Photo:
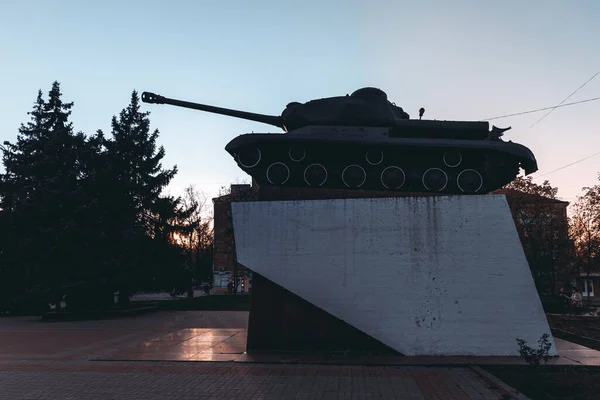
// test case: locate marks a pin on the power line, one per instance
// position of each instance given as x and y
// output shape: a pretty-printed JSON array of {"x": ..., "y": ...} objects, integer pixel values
[
  {"x": 568, "y": 165},
  {"x": 543, "y": 109},
  {"x": 566, "y": 98},
  {"x": 550, "y": 111}
]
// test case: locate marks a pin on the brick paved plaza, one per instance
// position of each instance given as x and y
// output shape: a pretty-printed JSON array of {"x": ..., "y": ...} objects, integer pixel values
[{"x": 61, "y": 360}]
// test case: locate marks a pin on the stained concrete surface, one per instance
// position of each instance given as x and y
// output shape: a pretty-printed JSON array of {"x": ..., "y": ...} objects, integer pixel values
[{"x": 425, "y": 276}]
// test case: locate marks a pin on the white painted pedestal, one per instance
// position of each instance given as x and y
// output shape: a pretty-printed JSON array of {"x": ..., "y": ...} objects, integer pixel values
[{"x": 424, "y": 275}]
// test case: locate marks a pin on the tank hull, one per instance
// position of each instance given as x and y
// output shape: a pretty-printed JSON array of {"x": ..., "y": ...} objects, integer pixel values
[{"x": 374, "y": 159}]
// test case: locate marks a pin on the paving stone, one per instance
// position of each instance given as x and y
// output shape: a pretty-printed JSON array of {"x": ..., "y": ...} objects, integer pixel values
[{"x": 55, "y": 361}]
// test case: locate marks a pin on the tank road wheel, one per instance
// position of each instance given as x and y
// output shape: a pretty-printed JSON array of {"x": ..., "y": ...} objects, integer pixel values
[
  {"x": 249, "y": 158},
  {"x": 469, "y": 181},
  {"x": 435, "y": 179},
  {"x": 452, "y": 159},
  {"x": 278, "y": 173},
  {"x": 315, "y": 175},
  {"x": 392, "y": 177},
  {"x": 374, "y": 157},
  {"x": 354, "y": 176},
  {"x": 297, "y": 154}
]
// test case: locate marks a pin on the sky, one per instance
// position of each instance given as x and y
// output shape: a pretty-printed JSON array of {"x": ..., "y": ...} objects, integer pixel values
[{"x": 461, "y": 60}]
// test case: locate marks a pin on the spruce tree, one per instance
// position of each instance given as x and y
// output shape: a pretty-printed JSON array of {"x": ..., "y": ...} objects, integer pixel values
[
  {"x": 45, "y": 172},
  {"x": 136, "y": 182}
]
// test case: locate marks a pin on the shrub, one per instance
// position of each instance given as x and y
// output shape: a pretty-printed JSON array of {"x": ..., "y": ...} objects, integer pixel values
[{"x": 533, "y": 356}]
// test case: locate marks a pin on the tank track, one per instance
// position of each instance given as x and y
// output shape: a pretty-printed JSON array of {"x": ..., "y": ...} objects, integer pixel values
[{"x": 447, "y": 170}]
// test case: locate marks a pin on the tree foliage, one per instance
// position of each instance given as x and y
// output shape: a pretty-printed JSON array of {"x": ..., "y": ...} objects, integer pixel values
[
  {"x": 526, "y": 185},
  {"x": 43, "y": 185},
  {"x": 585, "y": 230},
  {"x": 197, "y": 238},
  {"x": 542, "y": 223},
  {"x": 88, "y": 211}
]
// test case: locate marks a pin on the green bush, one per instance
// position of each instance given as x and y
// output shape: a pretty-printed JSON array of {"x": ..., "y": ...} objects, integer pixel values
[{"x": 533, "y": 356}]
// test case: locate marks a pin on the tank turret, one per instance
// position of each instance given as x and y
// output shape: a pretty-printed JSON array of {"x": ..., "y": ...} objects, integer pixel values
[
  {"x": 364, "y": 107},
  {"x": 364, "y": 141}
]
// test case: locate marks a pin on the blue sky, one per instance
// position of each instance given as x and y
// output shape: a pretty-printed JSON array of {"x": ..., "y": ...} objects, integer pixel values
[{"x": 465, "y": 60}]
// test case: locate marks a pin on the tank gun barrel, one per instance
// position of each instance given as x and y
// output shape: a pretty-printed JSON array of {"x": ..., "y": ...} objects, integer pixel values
[{"x": 148, "y": 97}]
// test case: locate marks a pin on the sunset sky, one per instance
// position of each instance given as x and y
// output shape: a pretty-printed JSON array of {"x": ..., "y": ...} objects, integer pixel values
[{"x": 464, "y": 60}]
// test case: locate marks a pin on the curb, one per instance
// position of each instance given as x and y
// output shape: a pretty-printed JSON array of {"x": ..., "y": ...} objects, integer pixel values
[{"x": 490, "y": 379}]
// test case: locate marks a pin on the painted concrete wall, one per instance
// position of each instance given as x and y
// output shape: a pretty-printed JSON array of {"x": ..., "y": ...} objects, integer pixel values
[{"x": 426, "y": 276}]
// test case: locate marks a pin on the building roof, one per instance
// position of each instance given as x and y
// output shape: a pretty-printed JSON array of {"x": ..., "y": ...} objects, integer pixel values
[
  {"x": 236, "y": 192},
  {"x": 529, "y": 197}
]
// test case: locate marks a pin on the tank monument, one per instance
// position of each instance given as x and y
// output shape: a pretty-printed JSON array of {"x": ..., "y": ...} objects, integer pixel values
[{"x": 376, "y": 233}]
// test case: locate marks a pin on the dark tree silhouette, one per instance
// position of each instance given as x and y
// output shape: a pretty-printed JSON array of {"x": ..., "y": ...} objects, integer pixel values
[
  {"x": 83, "y": 216},
  {"x": 197, "y": 234},
  {"x": 542, "y": 223},
  {"x": 134, "y": 181},
  {"x": 585, "y": 231},
  {"x": 44, "y": 166}
]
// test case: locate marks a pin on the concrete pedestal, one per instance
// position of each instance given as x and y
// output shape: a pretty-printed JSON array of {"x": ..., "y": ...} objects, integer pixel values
[
  {"x": 284, "y": 322},
  {"x": 422, "y": 275}
]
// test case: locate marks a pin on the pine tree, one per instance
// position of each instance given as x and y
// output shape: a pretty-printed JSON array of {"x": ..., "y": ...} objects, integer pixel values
[
  {"x": 169, "y": 258},
  {"x": 85, "y": 208},
  {"x": 136, "y": 182},
  {"x": 45, "y": 167}
]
